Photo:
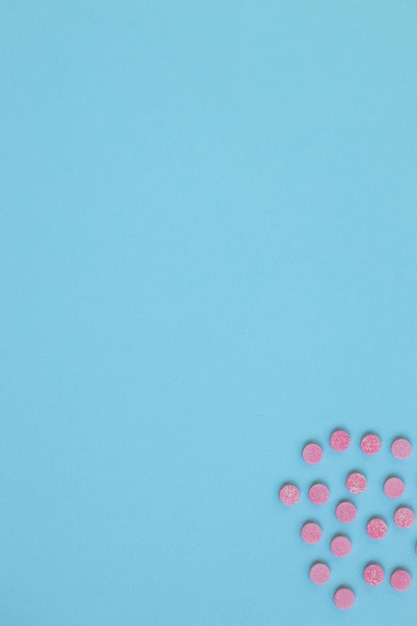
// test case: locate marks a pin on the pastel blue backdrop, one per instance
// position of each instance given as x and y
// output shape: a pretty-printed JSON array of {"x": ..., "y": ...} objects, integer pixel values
[{"x": 208, "y": 255}]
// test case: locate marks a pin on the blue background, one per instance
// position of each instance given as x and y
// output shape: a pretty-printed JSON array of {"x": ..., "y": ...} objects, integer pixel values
[{"x": 208, "y": 255}]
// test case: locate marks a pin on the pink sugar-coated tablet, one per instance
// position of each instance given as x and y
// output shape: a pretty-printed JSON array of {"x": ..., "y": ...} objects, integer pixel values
[
  {"x": 401, "y": 448},
  {"x": 376, "y": 528},
  {"x": 340, "y": 546},
  {"x": 356, "y": 482},
  {"x": 311, "y": 532},
  {"x": 370, "y": 444},
  {"x": 340, "y": 440},
  {"x": 289, "y": 494},
  {"x": 319, "y": 573},
  {"x": 400, "y": 580},
  {"x": 312, "y": 453},
  {"x": 318, "y": 493},
  {"x": 394, "y": 487},
  {"x": 404, "y": 517},
  {"x": 344, "y": 598},
  {"x": 345, "y": 512},
  {"x": 373, "y": 574}
]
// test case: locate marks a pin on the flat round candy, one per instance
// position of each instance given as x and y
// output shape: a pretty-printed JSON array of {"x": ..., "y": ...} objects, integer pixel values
[
  {"x": 370, "y": 444},
  {"x": 311, "y": 532},
  {"x": 345, "y": 512},
  {"x": 319, "y": 573},
  {"x": 373, "y": 574},
  {"x": 340, "y": 546},
  {"x": 376, "y": 528},
  {"x": 340, "y": 440},
  {"x": 401, "y": 448},
  {"x": 289, "y": 494},
  {"x": 356, "y": 482},
  {"x": 400, "y": 580},
  {"x": 394, "y": 487},
  {"x": 312, "y": 453},
  {"x": 404, "y": 517},
  {"x": 318, "y": 493},
  {"x": 344, "y": 598}
]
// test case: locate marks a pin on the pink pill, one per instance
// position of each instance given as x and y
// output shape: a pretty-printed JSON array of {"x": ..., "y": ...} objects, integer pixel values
[
  {"x": 370, "y": 444},
  {"x": 345, "y": 512},
  {"x": 340, "y": 440},
  {"x": 340, "y": 546},
  {"x": 356, "y": 482},
  {"x": 400, "y": 580},
  {"x": 311, "y": 532},
  {"x": 344, "y": 598},
  {"x": 312, "y": 453},
  {"x": 401, "y": 448},
  {"x": 318, "y": 493},
  {"x": 404, "y": 517},
  {"x": 373, "y": 574},
  {"x": 319, "y": 573},
  {"x": 394, "y": 487},
  {"x": 376, "y": 528},
  {"x": 289, "y": 494}
]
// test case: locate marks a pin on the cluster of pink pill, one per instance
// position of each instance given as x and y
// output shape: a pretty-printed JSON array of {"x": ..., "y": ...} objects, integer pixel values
[{"x": 345, "y": 511}]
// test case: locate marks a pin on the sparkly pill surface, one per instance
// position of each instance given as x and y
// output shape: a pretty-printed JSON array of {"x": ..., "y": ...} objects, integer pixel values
[
  {"x": 289, "y": 494},
  {"x": 344, "y": 598},
  {"x": 401, "y": 448},
  {"x": 311, "y": 532},
  {"x": 319, "y": 573},
  {"x": 340, "y": 546},
  {"x": 312, "y": 453},
  {"x": 376, "y": 528},
  {"x": 318, "y": 493},
  {"x": 356, "y": 482},
  {"x": 370, "y": 444},
  {"x": 373, "y": 574},
  {"x": 400, "y": 580},
  {"x": 394, "y": 487},
  {"x": 404, "y": 517},
  {"x": 345, "y": 512},
  {"x": 340, "y": 440}
]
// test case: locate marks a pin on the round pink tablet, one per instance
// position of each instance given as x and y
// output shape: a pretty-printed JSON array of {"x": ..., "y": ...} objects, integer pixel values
[
  {"x": 400, "y": 580},
  {"x": 340, "y": 546},
  {"x": 370, "y": 444},
  {"x": 311, "y": 532},
  {"x": 319, "y": 573},
  {"x": 404, "y": 517},
  {"x": 312, "y": 453},
  {"x": 394, "y": 487},
  {"x": 340, "y": 440},
  {"x": 318, "y": 493},
  {"x": 345, "y": 512},
  {"x": 373, "y": 574},
  {"x": 401, "y": 448},
  {"x": 376, "y": 528},
  {"x": 344, "y": 598},
  {"x": 289, "y": 494},
  {"x": 356, "y": 482}
]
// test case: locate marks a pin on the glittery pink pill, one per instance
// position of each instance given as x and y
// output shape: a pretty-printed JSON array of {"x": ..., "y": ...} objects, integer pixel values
[
  {"x": 340, "y": 546},
  {"x": 401, "y": 448},
  {"x": 319, "y": 573},
  {"x": 356, "y": 482},
  {"x": 394, "y": 487},
  {"x": 312, "y": 453},
  {"x": 376, "y": 528},
  {"x": 346, "y": 512},
  {"x": 400, "y": 580},
  {"x": 318, "y": 493},
  {"x": 373, "y": 574},
  {"x": 289, "y": 494},
  {"x": 344, "y": 598},
  {"x": 370, "y": 444},
  {"x": 404, "y": 517},
  {"x": 311, "y": 532},
  {"x": 340, "y": 440}
]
